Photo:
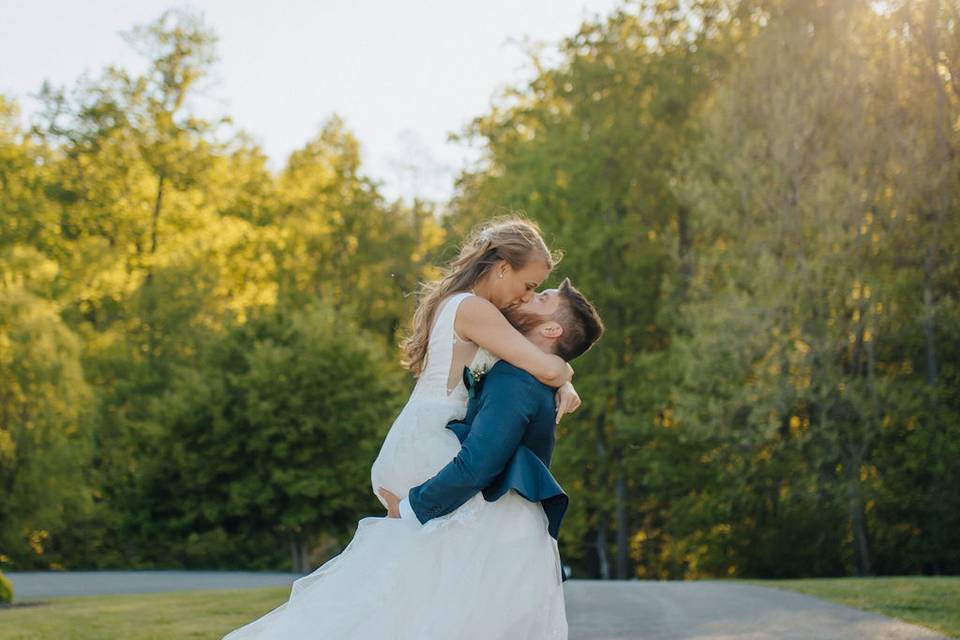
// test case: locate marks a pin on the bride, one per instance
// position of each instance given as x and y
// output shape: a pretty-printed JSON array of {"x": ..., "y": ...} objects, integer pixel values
[{"x": 463, "y": 575}]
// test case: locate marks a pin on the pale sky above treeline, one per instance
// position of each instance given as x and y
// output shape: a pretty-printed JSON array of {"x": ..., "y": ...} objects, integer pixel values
[{"x": 402, "y": 74}]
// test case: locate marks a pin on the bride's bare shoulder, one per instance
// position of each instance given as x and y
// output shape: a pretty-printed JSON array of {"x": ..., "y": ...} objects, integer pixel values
[
  {"x": 476, "y": 316},
  {"x": 474, "y": 308},
  {"x": 474, "y": 302}
]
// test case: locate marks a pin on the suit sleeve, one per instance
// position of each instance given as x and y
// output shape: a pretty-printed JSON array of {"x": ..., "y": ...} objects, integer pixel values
[{"x": 508, "y": 406}]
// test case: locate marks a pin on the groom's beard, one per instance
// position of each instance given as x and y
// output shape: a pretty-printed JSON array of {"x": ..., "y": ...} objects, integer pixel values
[{"x": 522, "y": 321}]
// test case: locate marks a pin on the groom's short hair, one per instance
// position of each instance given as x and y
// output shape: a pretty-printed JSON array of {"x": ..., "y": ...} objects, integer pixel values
[{"x": 581, "y": 322}]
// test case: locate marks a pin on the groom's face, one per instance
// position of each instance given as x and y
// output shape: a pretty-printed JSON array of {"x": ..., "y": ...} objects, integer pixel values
[{"x": 527, "y": 316}]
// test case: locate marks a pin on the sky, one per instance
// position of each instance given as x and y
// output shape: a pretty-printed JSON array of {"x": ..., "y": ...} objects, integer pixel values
[{"x": 402, "y": 75}]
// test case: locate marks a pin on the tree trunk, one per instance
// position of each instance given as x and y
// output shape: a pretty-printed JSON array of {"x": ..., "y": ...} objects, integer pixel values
[
  {"x": 858, "y": 522},
  {"x": 621, "y": 518},
  {"x": 601, "y": 545},
  {"x": 939, "y": 202},
  {"x": 684, "y": 245},
  {"x": 304, "y": 552},
  {"x": 298, "y": 553},
  {"x": 929, "y": 338},
  {"x": 294, "y": 554},
  {"x": 148, "y": 280},
  {"x": 155, "y": 219},
  {"x": 603, "y": 559}
]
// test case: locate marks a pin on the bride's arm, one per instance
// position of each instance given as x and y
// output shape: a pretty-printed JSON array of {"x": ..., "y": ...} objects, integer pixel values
[{"x": 479, "y": 321}]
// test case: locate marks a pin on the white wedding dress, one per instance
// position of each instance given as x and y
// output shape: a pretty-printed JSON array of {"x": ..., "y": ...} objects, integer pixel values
[{"x": 487, "y": 571}]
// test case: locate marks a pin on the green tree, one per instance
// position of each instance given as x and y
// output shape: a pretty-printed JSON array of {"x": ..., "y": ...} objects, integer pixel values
[
  {"x": 273, "y": 437},
  {"x": 801, "y": 242},
  {"x": 44, "y": 423},
  {"x": 591, "y": 150},
  {"x": 341, "y": 243}
]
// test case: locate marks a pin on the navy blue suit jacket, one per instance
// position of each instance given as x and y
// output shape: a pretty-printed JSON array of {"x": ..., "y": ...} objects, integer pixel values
[{"x": 507, "y": 438}]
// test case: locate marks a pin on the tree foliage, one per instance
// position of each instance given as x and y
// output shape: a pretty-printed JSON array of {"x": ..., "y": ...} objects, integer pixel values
[
  {"x": 745, "y": 189},
  {"x": 144, "y": 240},
  {"x": 198, "y": 355}
]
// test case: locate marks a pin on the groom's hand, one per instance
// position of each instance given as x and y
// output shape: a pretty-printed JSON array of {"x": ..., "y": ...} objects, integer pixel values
[{"x": 393, "y": 503}]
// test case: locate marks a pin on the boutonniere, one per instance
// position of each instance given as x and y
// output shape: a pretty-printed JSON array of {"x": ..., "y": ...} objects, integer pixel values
[
  {"x": 479, "y": 371},
  {"x": 472, "y": 379}
]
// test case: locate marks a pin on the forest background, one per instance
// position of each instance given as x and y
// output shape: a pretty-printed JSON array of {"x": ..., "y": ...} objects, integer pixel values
[{"x": 198, "y": 355}]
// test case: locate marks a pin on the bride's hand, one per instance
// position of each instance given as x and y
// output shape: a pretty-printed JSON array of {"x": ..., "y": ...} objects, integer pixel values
[
  {"x": 567, "y": 400},
  {"x": 393, "y": 503}
]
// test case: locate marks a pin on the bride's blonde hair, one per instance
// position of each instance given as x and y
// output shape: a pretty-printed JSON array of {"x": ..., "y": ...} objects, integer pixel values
[{"x": 512, "y": 238}]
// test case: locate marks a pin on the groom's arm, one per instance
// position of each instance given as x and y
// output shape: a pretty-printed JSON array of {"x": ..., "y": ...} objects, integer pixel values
[{"x": 507, "y": 408}]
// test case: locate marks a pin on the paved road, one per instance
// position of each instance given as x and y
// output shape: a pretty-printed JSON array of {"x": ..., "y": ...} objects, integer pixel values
[
  {"x": 41, "y": 585},
  {"x": 614, "y": 610},
  {"x": 718, "y": 610}
]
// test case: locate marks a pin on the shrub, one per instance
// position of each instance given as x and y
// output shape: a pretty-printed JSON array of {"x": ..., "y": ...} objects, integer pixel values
[{"x": 6, "y": 589}]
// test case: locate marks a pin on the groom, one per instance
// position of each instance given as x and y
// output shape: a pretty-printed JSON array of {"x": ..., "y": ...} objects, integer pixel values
[{"x": 507, "y": 434}]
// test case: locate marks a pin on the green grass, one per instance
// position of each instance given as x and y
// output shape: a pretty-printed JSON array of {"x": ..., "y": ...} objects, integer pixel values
[
  {"x": 932, "y": 602},
  {"x": 147, "y": 616}
]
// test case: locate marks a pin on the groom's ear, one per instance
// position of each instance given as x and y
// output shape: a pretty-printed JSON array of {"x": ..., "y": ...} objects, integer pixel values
[{"x": 552, "y": 330}]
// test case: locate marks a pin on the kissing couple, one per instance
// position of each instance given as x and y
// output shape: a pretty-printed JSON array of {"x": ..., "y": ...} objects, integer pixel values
[{"x": 468, "y": 549}]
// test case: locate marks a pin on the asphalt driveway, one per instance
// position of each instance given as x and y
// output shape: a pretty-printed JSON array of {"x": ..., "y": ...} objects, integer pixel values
[{"x": 612, "y": 610}]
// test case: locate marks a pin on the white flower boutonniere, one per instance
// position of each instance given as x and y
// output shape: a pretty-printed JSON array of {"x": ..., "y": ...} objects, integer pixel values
[
  {"x": 472, "y": 378},
  {"x": 479, "y": 371}
]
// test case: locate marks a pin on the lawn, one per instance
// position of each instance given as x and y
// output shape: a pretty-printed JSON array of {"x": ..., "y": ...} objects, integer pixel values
[
  {"x": 933, "y": 602},
  {"x": 141, "y": 616}
]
